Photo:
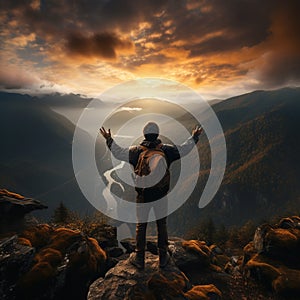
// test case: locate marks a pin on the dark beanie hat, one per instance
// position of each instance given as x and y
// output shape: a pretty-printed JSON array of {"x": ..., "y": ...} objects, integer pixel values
[{"x": 151, "y": 128}]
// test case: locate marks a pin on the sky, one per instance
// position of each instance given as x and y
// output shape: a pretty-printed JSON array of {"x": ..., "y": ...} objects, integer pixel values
[{"x": 219, "y": 48}]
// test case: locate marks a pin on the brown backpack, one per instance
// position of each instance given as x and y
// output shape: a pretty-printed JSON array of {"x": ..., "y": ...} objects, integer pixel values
[{"x": 142, "y": 169}]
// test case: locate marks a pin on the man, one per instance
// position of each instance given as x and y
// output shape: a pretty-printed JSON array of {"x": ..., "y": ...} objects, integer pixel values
[{"x": 151, "y": 193}]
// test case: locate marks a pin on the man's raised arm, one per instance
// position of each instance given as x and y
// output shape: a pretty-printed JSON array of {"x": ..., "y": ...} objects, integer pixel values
[
  {"x": 118, "y": 152},
  {"x": 188, "y": 145}
]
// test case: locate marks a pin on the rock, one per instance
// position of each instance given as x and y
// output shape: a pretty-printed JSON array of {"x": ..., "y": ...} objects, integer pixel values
[
  {"x": 190, "y": 254},
  {"x": 105, "y": 234},
  {"x": 228, "y": 268},
  {"x": 283, "y": 244},
  {"x": 39, "y": 235},
  {"x": 288, "y": 284},
  {"x": 151, "y": 246},
  {"x": 13, "y": 208},
  {"x": 215, "y": 250},
  {"x": 15, "y": 260},
  {"x": 114, "y": 251},
  {"x": 258, "y": 240},
  {"x": 280, "y": 244},
  {"x": 273, "y": 257},
  {"x": 124, "y": 281},
  {"x": 291, "y": 222},
  {"x": 286, "y": 223},
  {"x": 277, "y": 242},
  {"x": 49, "y": 263},
  {"x": 204, "y": 292},
  {"x": 249, "y": 251},
  {"x": 264, "y": 272},
  {"x": 220, "y": 260}
]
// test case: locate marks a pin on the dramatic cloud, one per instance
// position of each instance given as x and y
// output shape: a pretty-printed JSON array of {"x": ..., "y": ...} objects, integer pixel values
[
  {"x": 210, "y": 45},
  {"x": 98, "y": 45},
  {"x": 280, "y": 63}
]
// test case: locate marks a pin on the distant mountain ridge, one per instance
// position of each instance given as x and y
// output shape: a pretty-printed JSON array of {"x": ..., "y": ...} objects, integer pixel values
[
  {"x": 36, "y": 152},
  {"x": 263, "y": 163}
]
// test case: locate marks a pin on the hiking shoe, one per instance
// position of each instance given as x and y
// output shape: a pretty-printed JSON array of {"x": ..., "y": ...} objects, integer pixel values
[
  {"x": 164, "y": 259},
  {"x": 137, "y": 260}
]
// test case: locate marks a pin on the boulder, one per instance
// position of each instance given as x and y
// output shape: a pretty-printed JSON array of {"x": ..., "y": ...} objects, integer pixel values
[
  {"x": 13, "y": 208},
  {"x": 15, "y": 260},
  {"x": 288, "y": 283},
  {"x": 106, "y": 235},
  {"x": 124, "y": 281},
  {"x": 191, "y": 254},
  {"x": 264, "y": 271},
  {"x": 284, "y": 281},
  {"x": 279, "y": 243},
  {"x": 50, "y": 263},
  {"x": 273, "y": 257},
  {"x": 114, "y": 251},
  {"x": 259, "y": 236}
]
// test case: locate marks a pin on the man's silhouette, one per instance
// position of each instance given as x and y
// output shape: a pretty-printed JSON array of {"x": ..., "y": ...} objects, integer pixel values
[{"x": 152, "y": 191}]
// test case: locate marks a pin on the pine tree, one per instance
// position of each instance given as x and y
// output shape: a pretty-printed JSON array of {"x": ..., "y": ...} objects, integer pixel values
[{"x": 61, "y": 214}]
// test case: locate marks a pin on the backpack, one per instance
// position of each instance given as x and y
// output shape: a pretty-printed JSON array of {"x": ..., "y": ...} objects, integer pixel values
[{"x": 143, "y": 169}]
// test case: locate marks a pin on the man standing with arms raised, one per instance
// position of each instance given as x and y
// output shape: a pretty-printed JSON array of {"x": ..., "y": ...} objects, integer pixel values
[{"x": 151, "y": 160}]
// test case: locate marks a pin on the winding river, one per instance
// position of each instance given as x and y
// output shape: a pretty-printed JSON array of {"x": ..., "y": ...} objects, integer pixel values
[{"x": 124, "y": 230}]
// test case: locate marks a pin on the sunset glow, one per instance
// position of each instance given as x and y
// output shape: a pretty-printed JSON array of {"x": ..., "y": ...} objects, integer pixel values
[{"x": 220, "y": 48}]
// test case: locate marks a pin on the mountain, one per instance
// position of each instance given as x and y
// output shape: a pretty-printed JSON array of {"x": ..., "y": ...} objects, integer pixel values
[
  {"x": 263, "y": 164},
  {"x": 262, "y": 137},
  {"x": 72, "y": 106},
  {"x": 36, "y": 152}
]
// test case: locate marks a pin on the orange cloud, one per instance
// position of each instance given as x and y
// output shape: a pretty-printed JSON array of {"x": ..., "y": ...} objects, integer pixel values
[{"x": 103, "y": 45}]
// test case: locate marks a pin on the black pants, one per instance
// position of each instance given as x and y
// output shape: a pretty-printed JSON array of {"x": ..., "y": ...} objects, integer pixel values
[{"x": 141, "y": 227}]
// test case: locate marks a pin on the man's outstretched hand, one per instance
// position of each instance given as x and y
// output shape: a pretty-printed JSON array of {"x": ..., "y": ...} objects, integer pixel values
[
  {"x": 197, "y": 131},
  {"x": 105, "y": 134}
]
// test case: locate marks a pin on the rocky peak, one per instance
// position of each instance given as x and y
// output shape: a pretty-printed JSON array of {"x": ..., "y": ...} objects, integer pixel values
[
  {"x": 124, "y": 281},
  {"x": 13, "y": 208}
]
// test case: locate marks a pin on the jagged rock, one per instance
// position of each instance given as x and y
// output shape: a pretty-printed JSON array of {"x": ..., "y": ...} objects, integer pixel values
[
  {"x": 273, "y": 275},
  {"x": 273, "y": 257},
  {"x": 190, "y": 254},
  {"x": 13, "y": 208},
  {"x": 106, "y": 235},
  {"x": 15, "y": 260},
  {"x": 58, "y": 263},
  {"x": 124, "y": 281},
  {"x": 259, "y": 236},
  {"x": 278, "y": 242}
]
